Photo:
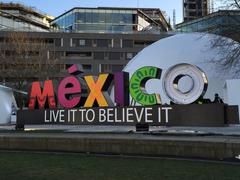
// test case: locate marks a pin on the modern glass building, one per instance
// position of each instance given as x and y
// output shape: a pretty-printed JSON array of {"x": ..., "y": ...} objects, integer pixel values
[
  {"x": 111, "y": 20},
  {"x": 218, "y": 22}
]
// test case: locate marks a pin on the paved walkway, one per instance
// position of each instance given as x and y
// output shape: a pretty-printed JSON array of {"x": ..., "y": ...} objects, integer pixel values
[
  {"x": 233, "y": 130},
  {"x": 129, "y": 136},
  {"x": 210, "y": 147}
]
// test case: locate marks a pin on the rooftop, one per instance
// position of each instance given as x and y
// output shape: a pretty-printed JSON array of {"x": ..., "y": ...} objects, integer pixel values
[{"x": 214, "y": 14}]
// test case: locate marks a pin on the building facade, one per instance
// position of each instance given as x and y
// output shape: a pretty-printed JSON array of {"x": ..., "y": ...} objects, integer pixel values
[
  {"x": 221, "y": 22},
  {"x": 111, "y": 20},
  {"x": 193, "y": 9},
  {"x": 101, "y": 40},
  {"x": 17, "y": 17},
  {"x": 97, "y": 53}
]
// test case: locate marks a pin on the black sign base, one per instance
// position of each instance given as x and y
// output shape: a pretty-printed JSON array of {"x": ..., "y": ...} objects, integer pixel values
[{"x": 208, "y": 115}]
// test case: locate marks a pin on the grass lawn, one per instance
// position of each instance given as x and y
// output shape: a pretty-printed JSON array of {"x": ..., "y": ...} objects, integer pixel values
[{"x": 36, "y": 166}]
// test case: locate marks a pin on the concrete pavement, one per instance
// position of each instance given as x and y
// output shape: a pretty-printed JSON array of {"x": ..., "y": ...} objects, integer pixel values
[
  {"x": 233, "y": 130},
  {"x": 187, "y": 146}
]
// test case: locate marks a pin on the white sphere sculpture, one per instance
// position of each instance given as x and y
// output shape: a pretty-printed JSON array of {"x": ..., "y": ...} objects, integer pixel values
[{"x": 191, "y": 48}]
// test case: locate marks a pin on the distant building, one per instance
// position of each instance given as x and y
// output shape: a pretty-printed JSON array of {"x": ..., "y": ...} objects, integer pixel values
[
  {"x": 112, "y": 20},
  {"x": 219, "y": 22},
  {"x": 17, "y": 17},
  {"x": 193, "y": 9},
  {"x": 102, "y": 40},
  {"x": 97, "y": 53}
]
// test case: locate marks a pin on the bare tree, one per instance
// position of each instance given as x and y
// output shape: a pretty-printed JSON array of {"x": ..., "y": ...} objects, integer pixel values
[
  {"x": 236, "y": 3},
  {"x": 229, "y": 49},
  {"x": 230, "y": 4},
  {"x": 25, "y": 59}
]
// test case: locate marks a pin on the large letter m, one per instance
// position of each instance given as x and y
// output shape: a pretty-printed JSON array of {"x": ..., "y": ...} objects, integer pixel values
[{"x": 41, "y": 95}]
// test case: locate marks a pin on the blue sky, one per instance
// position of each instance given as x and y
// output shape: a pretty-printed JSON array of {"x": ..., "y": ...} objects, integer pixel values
[{"x": 57, "y": 7}]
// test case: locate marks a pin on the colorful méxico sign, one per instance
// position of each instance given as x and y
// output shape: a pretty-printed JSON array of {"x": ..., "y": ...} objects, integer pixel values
[
  {"x": 98, "y": 108},
  {"x": 69, "y": 89}
]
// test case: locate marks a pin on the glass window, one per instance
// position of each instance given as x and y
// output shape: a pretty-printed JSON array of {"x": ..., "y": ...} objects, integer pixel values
[
  {"x": 118, "y": 28},
  {"x": 75, "y": 43},
  {"x": 106, "y": 68},
  {"x": 127, "y": 18},
  {"x": 192, "y": 6},
  {"x": 117, "y": 68},
  {"x": 102, "y": 17},
  {"x": 97, "y": 27},
  {"x": 81, "y": 17},
  {"x": 106, "y": 55},
  {"x": 88, "y": 42},
  {"x": 108, "y": 18},
  {"x": 56, "y": 54},
  {"x": 129, "y": 56},
  {"x": 103, "y": 42},
  {"x": 82, "y": 42},
  {"x": 192, "y": 13},
  {"x": 95, "y": 17},
  {"x": 57, "y": 42},
  {"x": 87, "y": 67},
  {"x": 88, "y": 17},
  {"x": 78, "y": 54},
  {"x": 128, "y": 28},
  {"x": 115, "y": 55},
  {"x": 99, "y": 55},
  {"x": 108, "y": 27},
  {"x": 127, "y": 43},
  {"x": 116, "y": 18}
]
